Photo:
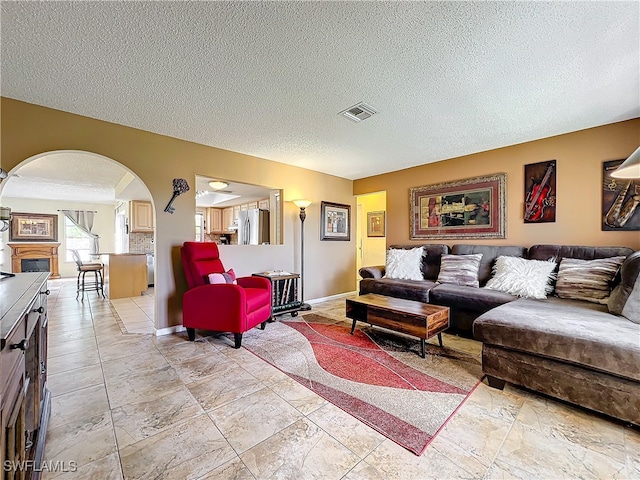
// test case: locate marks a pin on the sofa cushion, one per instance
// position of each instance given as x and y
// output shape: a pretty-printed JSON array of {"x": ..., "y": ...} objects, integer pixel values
[
  {"x": 404, "y": 264},
  {"x": 625, "y": 298},
  {"x": 468, "y": 298},
  {"x": 489, "y": 256},
  {"x": 567, "y": 330},
  {"x": 588, "y": 280},
  {"x": 408, "y": 289},
  {"x": 522, "y": 277},
  {"x": 460, "y": 270},
  {"x": 431, "y": 258}
]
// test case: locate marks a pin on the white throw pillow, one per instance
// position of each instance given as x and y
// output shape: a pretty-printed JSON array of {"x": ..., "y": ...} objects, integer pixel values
[
  {"x": 522, "y": 277},
  {"x": 404, "y": 264}
]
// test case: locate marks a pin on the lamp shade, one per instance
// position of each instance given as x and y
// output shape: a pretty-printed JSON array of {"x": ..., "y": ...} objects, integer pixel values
[
  {"x": 302, "y": 203},
  {"x": 630, "y": 168}
]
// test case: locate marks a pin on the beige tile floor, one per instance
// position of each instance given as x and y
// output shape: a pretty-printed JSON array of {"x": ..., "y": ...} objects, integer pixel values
[{"x": 127, "y": 404}]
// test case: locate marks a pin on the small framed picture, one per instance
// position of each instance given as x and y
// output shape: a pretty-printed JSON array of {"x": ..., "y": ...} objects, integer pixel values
[
  {"x": 375, "y": 224},
  {"x": 335, "y": 221}
]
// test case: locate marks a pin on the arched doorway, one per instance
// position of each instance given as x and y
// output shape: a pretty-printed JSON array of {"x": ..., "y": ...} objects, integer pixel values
[{"x": 50, "y": 182}]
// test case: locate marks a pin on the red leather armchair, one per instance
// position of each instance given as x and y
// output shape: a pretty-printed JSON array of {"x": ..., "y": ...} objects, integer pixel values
[{"x": 220, "y": 307}]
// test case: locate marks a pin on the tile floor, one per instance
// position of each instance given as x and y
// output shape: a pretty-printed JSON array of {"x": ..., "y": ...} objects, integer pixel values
[{"x": 127, "y": 404}]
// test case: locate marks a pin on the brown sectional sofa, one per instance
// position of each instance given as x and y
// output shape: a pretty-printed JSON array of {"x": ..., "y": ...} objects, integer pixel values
[{"x": 572, "y": 350}]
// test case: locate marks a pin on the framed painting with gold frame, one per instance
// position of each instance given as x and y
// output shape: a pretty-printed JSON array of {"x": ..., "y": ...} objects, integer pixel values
[
  {"x": 469, "y": 208},
  {"x": 376, "y": 224}
]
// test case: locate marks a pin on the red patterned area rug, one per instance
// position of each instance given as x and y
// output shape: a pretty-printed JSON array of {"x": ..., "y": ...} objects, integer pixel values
[{"x": 375, "y": 375}]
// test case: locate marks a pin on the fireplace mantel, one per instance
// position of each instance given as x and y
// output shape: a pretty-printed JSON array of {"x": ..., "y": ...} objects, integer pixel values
[{"x": 34, "y": 250}]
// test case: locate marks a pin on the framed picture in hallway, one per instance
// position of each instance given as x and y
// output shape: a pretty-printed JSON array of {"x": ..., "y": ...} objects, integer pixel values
[
  {"x": 33, "y": 227},
  {"x": 375, "y": 224},
  {"x": 469, "y": 208},
  {"x": 335, "y": 221}
]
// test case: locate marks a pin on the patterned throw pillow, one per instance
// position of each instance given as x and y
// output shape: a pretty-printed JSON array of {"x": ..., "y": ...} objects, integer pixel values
[
  {"x": 227, "y": 277},
  {"x": 404, "y": 264},
  {"x": 522, "y": 277},
  {"x": 460, "y": 269},
  {"x": 588, "y": 280}
]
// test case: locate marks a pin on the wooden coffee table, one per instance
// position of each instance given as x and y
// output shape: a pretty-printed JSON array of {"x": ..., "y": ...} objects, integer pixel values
[{"x": 406, "y": 316}]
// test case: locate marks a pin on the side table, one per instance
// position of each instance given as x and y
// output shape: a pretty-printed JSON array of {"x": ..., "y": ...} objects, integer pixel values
[{"x": 284, "y": 292}]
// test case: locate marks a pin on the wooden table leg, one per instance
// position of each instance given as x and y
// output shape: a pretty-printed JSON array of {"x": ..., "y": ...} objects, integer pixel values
[
  {"x": 353, "y": 326},
  {"x": 422, "y": 347},
  {"x": 440, "y": 339}
]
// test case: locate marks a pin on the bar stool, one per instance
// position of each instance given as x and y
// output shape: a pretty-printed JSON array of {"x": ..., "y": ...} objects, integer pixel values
[{"x": 83, "y": 268}]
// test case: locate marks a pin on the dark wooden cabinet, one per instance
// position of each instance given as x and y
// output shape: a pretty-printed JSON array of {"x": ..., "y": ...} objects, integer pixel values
[{"x": 24, "y": 399}]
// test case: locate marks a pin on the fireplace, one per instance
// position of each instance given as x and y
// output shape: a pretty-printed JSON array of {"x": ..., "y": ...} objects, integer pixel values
[
  {"x": 35, "y": 265},
  {"x": 35, "y": 257}
]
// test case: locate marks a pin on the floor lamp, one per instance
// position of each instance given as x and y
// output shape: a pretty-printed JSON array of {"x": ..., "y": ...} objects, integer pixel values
[{"x": 302, "y": 205}]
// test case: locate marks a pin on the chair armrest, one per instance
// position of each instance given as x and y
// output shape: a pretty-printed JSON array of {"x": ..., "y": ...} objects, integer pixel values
[
  {"x": 372, "y": 272},
  {"x": 254, "y": 282},
  {"x": 216, "y": 293}
]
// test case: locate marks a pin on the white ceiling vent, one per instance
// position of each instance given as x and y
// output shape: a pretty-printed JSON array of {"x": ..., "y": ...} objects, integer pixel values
[{"x": 358, "y": 112}]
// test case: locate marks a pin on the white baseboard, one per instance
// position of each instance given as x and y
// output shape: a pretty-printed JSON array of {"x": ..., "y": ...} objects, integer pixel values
[
  {"x": 169, "y": 330},
  {"x": 332, "y": 297},
  {"x": 180, "y": 328}
]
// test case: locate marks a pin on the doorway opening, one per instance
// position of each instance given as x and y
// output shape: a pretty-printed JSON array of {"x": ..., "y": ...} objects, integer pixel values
[{"x": 371, "y": 236}]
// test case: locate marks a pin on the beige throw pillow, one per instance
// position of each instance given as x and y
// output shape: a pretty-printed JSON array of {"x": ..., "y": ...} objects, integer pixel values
[
  {"x": 460, "y": 269},
  {"x": 588, "y": 280}
]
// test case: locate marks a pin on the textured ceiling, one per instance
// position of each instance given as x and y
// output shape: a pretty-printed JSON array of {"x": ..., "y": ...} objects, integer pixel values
[
  {"x": 269, "y": 78},
  {"x": 74, "y": 176}
]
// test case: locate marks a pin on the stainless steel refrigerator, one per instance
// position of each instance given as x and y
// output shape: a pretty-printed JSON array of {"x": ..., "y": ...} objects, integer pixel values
[{"x": 253, "y": 227}]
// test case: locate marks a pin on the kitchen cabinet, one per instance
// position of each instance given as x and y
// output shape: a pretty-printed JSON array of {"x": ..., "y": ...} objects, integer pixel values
[
  {"x": 252, "y": 205},
  {"x": 236, "y": 214},
  {"x": 125, "y": 274},
  {"x": 214, "y": 220},
  {"x": 263, "y": 204},
  {"x": 25, "y": 399},
  {"x": 227, "y": 219},
  {"x": 141, "y": 217}
]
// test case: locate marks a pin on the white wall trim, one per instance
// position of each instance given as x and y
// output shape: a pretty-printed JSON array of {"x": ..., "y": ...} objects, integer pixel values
[
  {"x": 180, "y": 328},
  {"x": 332, "y": 297},
  {"x": 169, "y": 330}
]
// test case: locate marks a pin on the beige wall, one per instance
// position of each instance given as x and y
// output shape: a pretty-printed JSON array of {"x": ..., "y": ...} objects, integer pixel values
[
  {"x": 579, "y": 158},
  {"x": 28, "y": 130},
  {"x": 103, "y": 225}
]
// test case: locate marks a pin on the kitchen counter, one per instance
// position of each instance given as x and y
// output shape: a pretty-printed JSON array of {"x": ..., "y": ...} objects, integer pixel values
[{"x": 125, "y": 274}]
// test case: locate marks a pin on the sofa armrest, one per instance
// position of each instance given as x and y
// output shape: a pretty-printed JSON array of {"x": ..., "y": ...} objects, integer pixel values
[{"x": 372, "y": 272}]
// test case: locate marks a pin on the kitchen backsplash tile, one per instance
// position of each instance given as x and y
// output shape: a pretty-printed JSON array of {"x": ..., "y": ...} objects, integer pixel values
[{"x": 140, "y": 242}]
